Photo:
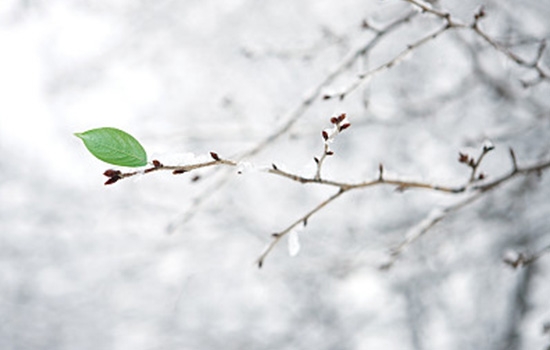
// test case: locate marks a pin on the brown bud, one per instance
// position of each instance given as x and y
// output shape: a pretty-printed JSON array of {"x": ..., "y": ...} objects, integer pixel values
[
  {"x": 275, "y": 235},
  {"x": 179, "y": 171},
  {"x": 327, "y": 97},
  {"x": 316, "y": 160},
  {"x": 215, "y": 156},
  {"x": 157, "y": 164},
  {"x": 334, "y": 120},
  {"x": 463, "y": 157},
  {"x": 481, "y": 176},
  {"x": 195, "y": 178},
  {"x": 515, "y": 261},
  {"x": 325, "y": 135},
  {"x": 401, "y": 188},
  {"x": 112, "y": 173},
  {"x": 112, "y": 180},
  {"x": 344, "y": 126},
  {"x": 341, "y": 117},
  {"x": 274, "y": 166},
  {"x": 329, "y": 153},
  {"x": 481, "y": 13}
]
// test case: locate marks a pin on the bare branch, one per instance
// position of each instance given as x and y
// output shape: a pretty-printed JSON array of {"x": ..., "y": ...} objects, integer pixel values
[
  {"x": 436, "y": 216},
  {"x": 487, "y": 147},
  {"x": 362, "y": 78},
  {"x": 514, "y": 160},
  {"x": 316, "y": 92},
  {"x": 428, "y": 8},
  {"x": 452, "y": 23},
  {"x": 302, "y": 220},
  {"x": 424, "y": 226},
  {"x": 339, "y": 124},
  {"x": 115, "y": 175},
  {"x": 515, "y": 259}
]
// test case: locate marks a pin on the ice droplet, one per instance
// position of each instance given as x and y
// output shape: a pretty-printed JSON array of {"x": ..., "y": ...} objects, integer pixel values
[{"x": 293, "y": 243}]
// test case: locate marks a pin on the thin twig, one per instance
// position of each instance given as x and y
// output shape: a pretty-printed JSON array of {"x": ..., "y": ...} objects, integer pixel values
[
  {"x": 424, "y": 226},
  {"x": 339, "y": 124},
  {"x": 116, "y": 175},
  {"x": 316, "y": 92},
  {"x": 488, "y": 147},
  {"x": 400, "y": 185},
  {"x": 478, "y": 191},
  {"x": 542, "y": 74},
  {"x": 524, "y": 259},
  {"x": 428, "y": 8},
  {"x": 302, "y": 220},
  {"x": 451, "y": 24},
  {"x": 362, "y": 78}
]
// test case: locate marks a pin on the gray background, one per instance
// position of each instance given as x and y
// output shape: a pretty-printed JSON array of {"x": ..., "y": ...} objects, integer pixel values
[{"x": 87, "y": 266}]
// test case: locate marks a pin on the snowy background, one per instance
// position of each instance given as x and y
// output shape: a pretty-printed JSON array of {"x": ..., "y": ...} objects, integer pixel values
[{"x": 163, "y": 262}]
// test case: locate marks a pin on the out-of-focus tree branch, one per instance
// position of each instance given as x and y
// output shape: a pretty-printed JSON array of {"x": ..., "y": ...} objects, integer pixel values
[{"x": 450, "y": 23}]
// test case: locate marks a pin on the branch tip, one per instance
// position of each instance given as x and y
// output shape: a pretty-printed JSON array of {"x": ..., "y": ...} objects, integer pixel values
[
  {"x": 463, "y": 158},
  {"x": 514, "y": 159},
  {"x": 113, "y": 175},
  {"x": 111, "y": 181},
  {"x": 344, "y": 126},
  {"x": 215, "y": 156},
  {"x": 488, "y": 147}
]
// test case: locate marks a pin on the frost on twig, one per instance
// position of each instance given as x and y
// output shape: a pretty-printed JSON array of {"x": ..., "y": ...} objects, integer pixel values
[
  {"x": 474, "y": 163},
  {"x": 521, "y": 259},
  {"x": 339, "y": 124}
]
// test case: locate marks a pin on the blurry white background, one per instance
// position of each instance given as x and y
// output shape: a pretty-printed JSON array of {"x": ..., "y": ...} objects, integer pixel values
[{"x": 141, "y": 265}]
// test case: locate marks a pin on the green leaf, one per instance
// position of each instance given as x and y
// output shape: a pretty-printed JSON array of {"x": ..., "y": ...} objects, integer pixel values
[{"x": 114, "y": 146}]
